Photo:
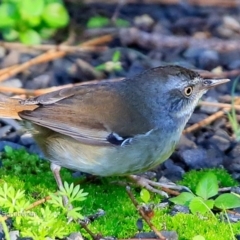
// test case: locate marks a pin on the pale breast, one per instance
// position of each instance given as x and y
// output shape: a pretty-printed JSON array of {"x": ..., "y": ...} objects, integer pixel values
[{"x": 144, "y": 152}]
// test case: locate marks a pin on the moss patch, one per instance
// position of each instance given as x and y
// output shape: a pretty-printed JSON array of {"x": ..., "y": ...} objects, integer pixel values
[{"x": 27, "y": 172}]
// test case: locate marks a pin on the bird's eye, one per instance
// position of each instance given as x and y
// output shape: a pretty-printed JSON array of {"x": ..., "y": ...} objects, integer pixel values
[{"x": 188, "y": 91}]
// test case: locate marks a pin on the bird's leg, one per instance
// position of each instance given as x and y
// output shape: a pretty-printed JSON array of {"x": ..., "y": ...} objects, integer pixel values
[
  {"x": 56, "y": 173},
  {"x": 153, "y": 186}
]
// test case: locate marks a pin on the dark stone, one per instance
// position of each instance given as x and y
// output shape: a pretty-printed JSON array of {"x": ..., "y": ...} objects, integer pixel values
[
  {"x": 26, "y": 139},
  {"x": 170, "y": 235},
  {"x": 221, "y": 139},
  {"x": 235, "y": 151},
  {"x": 3, "y": 144},
  {"x": 200, "y": 158},
  {"x": 186, "y": 143},
  {"x": 172, "y": 171},
  {"x": 75, "y": 236},
  {"x": 208, "y": 59},
  {"x": 179, "y": 209}
]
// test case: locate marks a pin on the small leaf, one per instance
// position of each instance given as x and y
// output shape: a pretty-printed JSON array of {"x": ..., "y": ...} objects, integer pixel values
[
  {"x": 116, "y": 56},
  {"x": 183, "y": 199},
  {"x": 55, "y": 15},
  {"x": 199, "y": 205},
  {"x": 29, "y": 37},
  {"x": 227, "y": 201},
  {"x": 97, "y": 22},
  {"x": 207, "y": 186},
  {"x": 31, "y": 8},
  {"x": 145, "y": 195},
  {"x": 10, "y": 34},
  {"x": 8, "y": 15},
  {"x": 198, "y": 237},
  {"x": 122, "y": 23}
]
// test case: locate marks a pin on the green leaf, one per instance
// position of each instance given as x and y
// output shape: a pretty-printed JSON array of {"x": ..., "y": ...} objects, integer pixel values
[
  {"x": 8, "y": 150},
  {"x": 207, "y": 186},
  {"x": 97, "y": 22},
  {"x": 199, "y": 205},
  {"x": 55, "y": 15},
  {"x": 10, "y": 34},
  {"x": 122, "y": 23},
  {"x": 183, "y": 199},
  {"x": 8, "y": 15},
  {"x": 145, "y": 195},
  {"x": 227, "y": 201},
  {"x": 46, "y": 33},
  {"x": 198, "y": 237},
  {"x": 31, "y": 8},
  {"x": 116, "y": 56},
  {"x": 30, "y": 37}
]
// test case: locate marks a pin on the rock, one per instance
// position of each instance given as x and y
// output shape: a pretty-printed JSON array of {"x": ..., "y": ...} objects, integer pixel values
[
  {"x": 3, "y": 144},
  {"x": 172, "y": 171},
  {"x": 12, "y": 82},
  {"x": 12, "y": 58},
  {"x": 14, "y": 235},
  {"x": 186, "y": 143},
  {"x": 209, "y": 109},
  {"x": 235, "y": 151},
  {"x": 197, "y": 117},
  {"x": 4, "y": 130},
  {"x": 179, "y": 209},
  {"x": 169, "y": 235},
  {"x": 26, "y": 139},
  {"x": 75, "y": 236},
  {"x": 208, "y": 59},
  {"x": 221, "y": 140},
  {"x": 201, "y": 158},
  {"x": 231, "y": 23},
  {"x": 2, "y": 55},
  {"x": 12, "y": 123}
]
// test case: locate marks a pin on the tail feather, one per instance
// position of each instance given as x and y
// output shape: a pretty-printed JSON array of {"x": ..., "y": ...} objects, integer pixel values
[{"x": 10, "y": 107}]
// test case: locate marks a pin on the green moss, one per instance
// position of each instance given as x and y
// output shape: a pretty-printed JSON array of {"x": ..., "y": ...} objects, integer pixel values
[
  {"x": 27, "y": 171},
  {"x": 191, "y": 179}
]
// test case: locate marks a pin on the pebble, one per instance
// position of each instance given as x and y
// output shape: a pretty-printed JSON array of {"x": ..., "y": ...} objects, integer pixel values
[
  {"x": 75, "y": 236},
  {"x": 221, "y": 140},
  {"x": 13, "y": 145},
  {"x": 14, "y": 235},
  {"x": 235, "y": 152},
  {"x": 208, "y": 59},
  {"x": 26, "y": 139},
  {"x": 209, "y": 109},
  {"x": 173, "y": 172},
  {"x": 169, "y": 235},
  {"x": 15, "y": 124},
  {"x": 4, "y": 130},
  {"x": 179, "y": 209}
]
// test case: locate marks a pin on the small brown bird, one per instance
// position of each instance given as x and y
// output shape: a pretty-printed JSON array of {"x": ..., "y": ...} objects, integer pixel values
[{"x": 113, "y": 128}]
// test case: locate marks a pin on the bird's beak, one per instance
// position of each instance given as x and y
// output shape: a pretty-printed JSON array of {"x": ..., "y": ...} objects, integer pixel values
[{"x": 209, "y": 83}]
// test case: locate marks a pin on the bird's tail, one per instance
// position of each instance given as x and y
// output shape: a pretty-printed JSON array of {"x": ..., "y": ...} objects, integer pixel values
[{"x": 10, "y": 107}]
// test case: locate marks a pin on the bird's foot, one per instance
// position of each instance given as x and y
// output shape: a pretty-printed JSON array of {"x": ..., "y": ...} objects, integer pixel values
[
  {"x": 56, "y": 172},
  {"x": 163, "y": 187}
]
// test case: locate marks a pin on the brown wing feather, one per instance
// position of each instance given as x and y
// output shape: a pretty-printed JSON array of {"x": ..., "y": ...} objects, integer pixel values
[{"x": 87, "y": 113}]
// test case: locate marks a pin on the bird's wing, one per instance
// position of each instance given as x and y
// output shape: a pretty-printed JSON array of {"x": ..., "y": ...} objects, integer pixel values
[{"x": 92, "y": 114}]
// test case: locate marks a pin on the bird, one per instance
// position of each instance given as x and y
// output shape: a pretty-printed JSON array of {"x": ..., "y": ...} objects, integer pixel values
[{"x": 113, "y": 128}]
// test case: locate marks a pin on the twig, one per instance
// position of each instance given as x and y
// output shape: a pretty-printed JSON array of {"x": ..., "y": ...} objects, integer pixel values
[
  {"x": 222, "y": 3},
  {"x": 141, "y": 212},
  {"x": 37, "y": 92},
  {"x": 84, "y": 225},
  {"x": 161, "y": 41},
  {"x": 39, "y": 202},
  {"x": 48, "y": 56},
  {"x": 220, "y": 105},
  {"x": 209, "y": 119},
  {"x": 46, "y": 47}
]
